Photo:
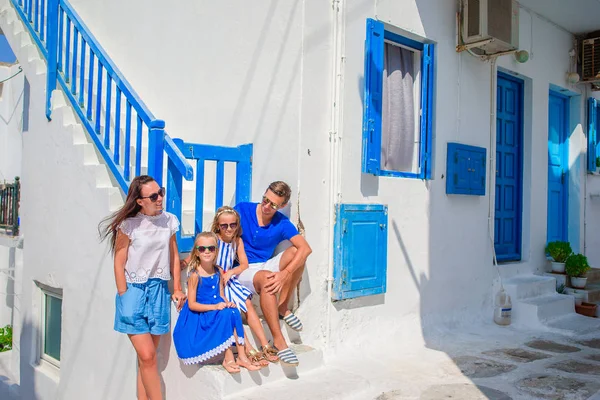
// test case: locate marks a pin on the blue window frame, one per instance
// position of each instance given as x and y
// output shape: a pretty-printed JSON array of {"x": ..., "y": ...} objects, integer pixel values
[
  {"x": 593, "y": 130},
  {"x": 360, "y": 257},
  {"x": 417, "y": 164}
]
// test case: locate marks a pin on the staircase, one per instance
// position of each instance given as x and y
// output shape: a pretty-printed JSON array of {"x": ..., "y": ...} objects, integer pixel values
[
  {"x": 536, "y": 304},
  {"x": 106, "y": 136}
]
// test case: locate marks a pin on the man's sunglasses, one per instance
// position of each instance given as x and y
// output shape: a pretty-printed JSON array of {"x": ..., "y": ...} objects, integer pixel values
[
  {"x": 154, "y": 196},
  {"x": 232, "y": 225},
  {"x": 269, "y": 203},
  {"x": 202, "y": 249}
]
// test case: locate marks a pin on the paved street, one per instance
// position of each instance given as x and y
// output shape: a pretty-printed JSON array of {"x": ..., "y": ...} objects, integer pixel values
[{"x": 481, "y": 362}]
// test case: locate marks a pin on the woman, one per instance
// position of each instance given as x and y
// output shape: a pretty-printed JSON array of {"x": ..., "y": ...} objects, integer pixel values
[{"x": 142, "y": 239}]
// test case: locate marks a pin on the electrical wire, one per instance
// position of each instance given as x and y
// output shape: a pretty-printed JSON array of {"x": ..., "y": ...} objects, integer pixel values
[{"x": 12, "y": 76}]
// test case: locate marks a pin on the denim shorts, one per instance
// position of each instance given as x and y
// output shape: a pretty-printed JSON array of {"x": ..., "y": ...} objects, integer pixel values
[{"x": 144, "y": 308}]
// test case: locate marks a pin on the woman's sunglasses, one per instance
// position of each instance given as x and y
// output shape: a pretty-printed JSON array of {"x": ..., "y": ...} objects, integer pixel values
[
  {"x": 154, "y": 196},
  {"x": 202, "y": 249},
  {"x": 232, "y": 225},
  {"x": 268, "y": 202}
]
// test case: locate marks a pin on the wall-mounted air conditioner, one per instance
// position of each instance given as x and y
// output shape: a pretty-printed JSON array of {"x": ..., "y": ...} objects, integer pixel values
[
  {"x": 590, "y": 60},
  {"x": 493, "y": 23}
]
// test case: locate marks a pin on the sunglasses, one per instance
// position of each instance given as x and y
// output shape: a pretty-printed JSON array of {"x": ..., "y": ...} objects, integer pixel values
[
  {"x": 268, "y": 202},
  {"x": 202, "y": 249},
  {"x": 232, "y": 225},
  {"x": 154, "y": 196}
]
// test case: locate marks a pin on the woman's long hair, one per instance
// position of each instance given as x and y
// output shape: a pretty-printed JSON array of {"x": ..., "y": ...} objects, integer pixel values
[{"x": 108, "y": 226}]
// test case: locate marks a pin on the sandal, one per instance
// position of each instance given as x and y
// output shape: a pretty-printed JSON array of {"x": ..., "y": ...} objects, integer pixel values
[
  {"x": 248, "y": 365},
  {"x": 257, "y": 358},
  {"x": 287, "y": 356},
  {"x": 270, "y": 353},
  {"x": 292, "y": 321},
  {"x": 231, "y": 366}
]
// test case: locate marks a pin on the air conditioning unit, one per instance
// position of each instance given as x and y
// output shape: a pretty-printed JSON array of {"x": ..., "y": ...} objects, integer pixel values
[
  {"x": 590, "y": 60},
  {"x": 493, "y": 23}
]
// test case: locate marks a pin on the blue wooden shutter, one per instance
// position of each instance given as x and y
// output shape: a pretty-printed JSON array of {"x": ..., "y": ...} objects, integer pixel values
[
  {"x": 592, "y": 120},
  {"x": 360, "y": 258},
  {"x": 426, "y": 109},
  {"x": 373, "y": 80}
]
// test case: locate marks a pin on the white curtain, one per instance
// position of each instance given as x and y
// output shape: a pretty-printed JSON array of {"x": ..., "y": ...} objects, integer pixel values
[{"x": 398, "y": 110}]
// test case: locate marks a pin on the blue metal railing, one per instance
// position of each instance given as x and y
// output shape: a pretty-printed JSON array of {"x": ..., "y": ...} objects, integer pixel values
[
  {"x": 119, "y": 123},
  {"x": 241, "y": 156},
  {"x": 33, "y": 13}
]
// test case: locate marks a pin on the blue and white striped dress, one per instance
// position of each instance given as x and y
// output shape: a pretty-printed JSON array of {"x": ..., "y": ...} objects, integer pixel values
[{"x": 234, "y": 290}]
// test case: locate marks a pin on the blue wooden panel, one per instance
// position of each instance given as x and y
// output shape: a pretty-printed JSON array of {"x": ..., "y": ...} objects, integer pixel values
[
  {"x": 373, "y": 81},
  {"x": 558, "y": 168},
  {"x": 509, "y": 168},
  {"x": 592, "y": 133},
  {"x": 477, "y": 172},
  {"x": 465, "y": 170},
  {"x": 360, "y": 258}
]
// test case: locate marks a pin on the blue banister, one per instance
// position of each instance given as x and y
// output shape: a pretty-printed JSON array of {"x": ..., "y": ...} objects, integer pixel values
[{"x": 64, "y": 40}]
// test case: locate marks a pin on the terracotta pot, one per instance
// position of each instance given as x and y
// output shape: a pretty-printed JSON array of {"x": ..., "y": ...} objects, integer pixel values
[
  {"x": 578, "y": 283},
  {"x": 558, "y": 267},
  {"x": 587, "y": 309}
]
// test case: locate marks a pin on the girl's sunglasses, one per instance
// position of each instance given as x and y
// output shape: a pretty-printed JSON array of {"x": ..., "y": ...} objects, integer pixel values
[
  {"x": 232, "y": 225},
  {"x": 202, "y": 249},
  {"x": 154, "y": 196}
]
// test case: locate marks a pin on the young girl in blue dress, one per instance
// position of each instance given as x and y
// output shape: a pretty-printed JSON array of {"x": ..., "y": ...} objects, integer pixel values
[{"x": 208, "y": 325}]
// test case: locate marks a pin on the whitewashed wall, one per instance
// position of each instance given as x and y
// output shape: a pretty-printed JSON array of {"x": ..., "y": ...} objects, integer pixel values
[
  {"x": 11, "y": 112},
  {"x": 439, "y": 254}
]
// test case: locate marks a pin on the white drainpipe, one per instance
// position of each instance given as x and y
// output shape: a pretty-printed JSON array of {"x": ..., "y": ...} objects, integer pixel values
[{"x": 338, "y": 61}]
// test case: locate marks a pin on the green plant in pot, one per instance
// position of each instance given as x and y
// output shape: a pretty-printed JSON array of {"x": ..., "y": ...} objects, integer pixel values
[
  {"x": 560, "y": 252},
  {"x": 576, "y": 267}
]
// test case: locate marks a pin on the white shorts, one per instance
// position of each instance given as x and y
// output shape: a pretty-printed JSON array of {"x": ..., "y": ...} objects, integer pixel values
[{"x": 246, "y": 278}]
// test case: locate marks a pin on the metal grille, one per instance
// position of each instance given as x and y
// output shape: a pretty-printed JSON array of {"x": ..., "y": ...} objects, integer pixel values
[
  {"x": 591, "y": 59},
  {"x": 9, "y": 208}
]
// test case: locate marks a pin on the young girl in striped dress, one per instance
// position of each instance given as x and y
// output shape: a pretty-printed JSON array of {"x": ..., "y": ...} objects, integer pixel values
[{"x": 226, "y": 225}]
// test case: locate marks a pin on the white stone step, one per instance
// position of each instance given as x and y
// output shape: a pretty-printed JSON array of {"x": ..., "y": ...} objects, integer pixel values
[
  {"x": 213, "y": 382},
  {"x": 527, "y": 286},
  {"x": 323, "y": 383},
  {"x": 574, "y": 325},
  {"x": 537, "y": 310}
]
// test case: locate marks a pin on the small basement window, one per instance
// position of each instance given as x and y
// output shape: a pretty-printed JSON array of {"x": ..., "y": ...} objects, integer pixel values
[{"x": 51, "y": 324}]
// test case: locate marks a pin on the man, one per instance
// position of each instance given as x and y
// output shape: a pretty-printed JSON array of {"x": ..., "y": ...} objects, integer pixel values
[{"x": 263, "y": 228}]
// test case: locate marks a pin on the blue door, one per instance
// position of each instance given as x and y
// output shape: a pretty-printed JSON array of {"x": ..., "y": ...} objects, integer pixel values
[
  {"x": 509, "y": 138},
  {"x": 558, "y": 168}
]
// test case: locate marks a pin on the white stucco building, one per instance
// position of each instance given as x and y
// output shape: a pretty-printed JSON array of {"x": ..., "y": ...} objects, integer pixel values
[{"x": 305, "y": 83}]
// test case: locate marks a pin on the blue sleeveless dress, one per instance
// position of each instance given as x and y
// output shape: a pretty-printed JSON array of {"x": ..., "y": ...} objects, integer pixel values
[
  {"x": 234, "y": 290},
  {"x": 199, "y": 336}
]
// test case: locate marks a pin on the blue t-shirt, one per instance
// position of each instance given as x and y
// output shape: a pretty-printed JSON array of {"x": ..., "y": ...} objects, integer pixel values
[{"x": 260, "y": 241}]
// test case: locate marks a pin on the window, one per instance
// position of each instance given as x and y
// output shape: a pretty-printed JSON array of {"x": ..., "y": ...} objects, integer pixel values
[
  {"x": 51, "y": 324},
  {"x": 397, "y": 104},
  {"x": 593, "y": 133}
]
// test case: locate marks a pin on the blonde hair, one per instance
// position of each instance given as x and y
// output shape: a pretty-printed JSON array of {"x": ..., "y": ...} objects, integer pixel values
[
  {"x": 194, "y": 258},
  {"x": 215, "y": 225}
]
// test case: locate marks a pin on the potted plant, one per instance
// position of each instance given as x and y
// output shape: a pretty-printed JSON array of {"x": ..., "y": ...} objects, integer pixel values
[
  {"x": 560, "y": 252},
  {"x": 576, "y": 267}
]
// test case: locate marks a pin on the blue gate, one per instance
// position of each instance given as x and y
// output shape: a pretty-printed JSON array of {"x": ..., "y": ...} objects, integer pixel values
[{"x": 200, "y": 153}]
